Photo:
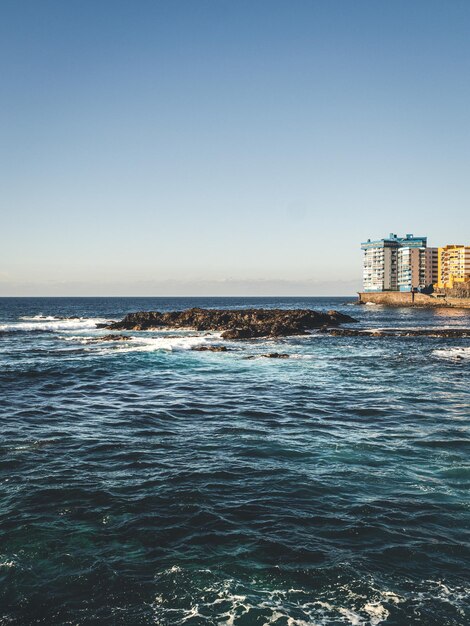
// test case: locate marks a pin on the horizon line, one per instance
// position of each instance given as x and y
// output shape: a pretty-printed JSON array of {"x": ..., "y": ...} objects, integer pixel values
[{"x": 184, "y": 296}]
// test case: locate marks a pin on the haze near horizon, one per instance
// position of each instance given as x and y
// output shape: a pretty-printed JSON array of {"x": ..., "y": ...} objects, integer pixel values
[{"x": 222, "y": 148}]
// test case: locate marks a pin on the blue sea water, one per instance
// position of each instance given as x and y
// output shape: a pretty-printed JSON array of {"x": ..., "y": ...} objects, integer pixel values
[{"x": 145, "y": 483}]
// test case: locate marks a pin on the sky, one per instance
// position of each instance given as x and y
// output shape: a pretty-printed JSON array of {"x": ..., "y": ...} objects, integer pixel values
[{"x": 215, "y": 147}]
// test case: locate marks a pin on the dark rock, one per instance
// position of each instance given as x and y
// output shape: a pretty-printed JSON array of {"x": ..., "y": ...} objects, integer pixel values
[
  {"x": 239, "y": 333},
  {"x": 113, "y": 338},
  {"x": 269, "y": 355},
  {"x": 236, "y": 323},
  {"x": 210, "y": 349}
]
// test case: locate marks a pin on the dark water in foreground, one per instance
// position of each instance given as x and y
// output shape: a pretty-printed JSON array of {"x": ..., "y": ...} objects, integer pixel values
[{"x": 145, "y": 483}]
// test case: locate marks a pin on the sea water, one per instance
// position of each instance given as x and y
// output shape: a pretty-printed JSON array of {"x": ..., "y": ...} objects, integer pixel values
[{"x": 143, "y": 482}]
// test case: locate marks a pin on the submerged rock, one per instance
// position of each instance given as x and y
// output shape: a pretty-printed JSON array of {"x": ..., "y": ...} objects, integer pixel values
[
  {"x": 270, "y": 355},
  {"x": 235, "y": 323},
  {"x": 210, "y": 349},
  {"x": 113, "y": 338}
]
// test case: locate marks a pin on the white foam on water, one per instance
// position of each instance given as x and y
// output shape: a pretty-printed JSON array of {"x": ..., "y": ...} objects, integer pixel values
[
  {"x": 85, "y": 340},
  {"x": 230, "y": 603},
  {"x": 377, "y": 613},
  {"x": 155, "y": 344},
  {"x": 53, "y": 325},
  {"x": 455, "y": 595},
  {"x": 452, "y": 353},
  {"x": 353, "y": 618},
  {"x": 8, "y": 562},
  {"x": 37, "y": 318}
]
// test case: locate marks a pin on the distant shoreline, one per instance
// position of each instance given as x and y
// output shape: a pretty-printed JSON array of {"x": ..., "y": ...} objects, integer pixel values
[{"x": 182, "y": 297}]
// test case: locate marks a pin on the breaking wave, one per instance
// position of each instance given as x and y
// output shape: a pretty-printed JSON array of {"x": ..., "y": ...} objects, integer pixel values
[
  {"x": 41, "y": 318},
  {"x": 144, "y": 343},
  {"x": 51, "y": 324},
  {"x": 453, "y": 353},
  {"x": 154, "y": 344}
]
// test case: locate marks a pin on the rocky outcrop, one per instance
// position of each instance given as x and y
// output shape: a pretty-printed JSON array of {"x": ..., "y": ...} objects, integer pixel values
[
  {"x": 234, "y": 323},
  {"x": 459, "y": 290}
]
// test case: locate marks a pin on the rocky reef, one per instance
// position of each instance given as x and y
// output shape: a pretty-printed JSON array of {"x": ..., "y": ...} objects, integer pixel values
[
  {"x": 234, "y": 323},
  {"x": 269, "y": 355}
]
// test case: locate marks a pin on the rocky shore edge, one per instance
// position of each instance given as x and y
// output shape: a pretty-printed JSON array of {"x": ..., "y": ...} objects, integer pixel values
[{"x": 234, "y": 323}]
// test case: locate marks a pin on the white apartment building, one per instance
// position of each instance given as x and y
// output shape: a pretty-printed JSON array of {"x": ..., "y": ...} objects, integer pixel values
[{"x": 398, "y": 264}]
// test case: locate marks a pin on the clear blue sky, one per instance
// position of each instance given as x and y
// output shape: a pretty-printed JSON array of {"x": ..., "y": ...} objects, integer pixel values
[{"x": 207, "y": 146}]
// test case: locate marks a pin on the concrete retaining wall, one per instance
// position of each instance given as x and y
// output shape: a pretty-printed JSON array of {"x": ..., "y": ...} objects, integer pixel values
[{"x": 397, "y": 298}]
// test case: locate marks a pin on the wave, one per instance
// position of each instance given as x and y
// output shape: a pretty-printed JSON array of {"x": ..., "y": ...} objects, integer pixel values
[
  {"x": 453, "y": 353},
  {"x": 51, "y": 325},
  {"x": 141, "y": 343},
  {"x": 226, "y": 600},
  {"x": 40, "y": 317},
  {"x": 232, "y": 602},
  {"x": 155, "y": 344}
]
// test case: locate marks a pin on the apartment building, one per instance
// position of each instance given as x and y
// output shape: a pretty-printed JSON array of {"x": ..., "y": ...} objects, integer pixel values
[
  {"x": 398, "y": 264},
  {"x": 417, "y": 268},
  {"x": 453, "y": 265}
]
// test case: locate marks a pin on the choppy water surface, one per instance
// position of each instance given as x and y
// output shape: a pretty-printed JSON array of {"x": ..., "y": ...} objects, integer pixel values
[{"x": 145, "y": 483}]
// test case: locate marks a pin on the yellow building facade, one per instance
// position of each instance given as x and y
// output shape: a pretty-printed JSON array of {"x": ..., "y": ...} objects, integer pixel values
[{"x": 453, "y": 265}]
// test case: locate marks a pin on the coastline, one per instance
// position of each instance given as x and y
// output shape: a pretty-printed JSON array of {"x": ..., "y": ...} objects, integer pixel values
[{"x": 407, "y": 299}]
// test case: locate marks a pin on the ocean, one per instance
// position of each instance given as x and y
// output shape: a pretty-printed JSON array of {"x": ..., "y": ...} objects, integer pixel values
[{"x": 143, "y": 482}]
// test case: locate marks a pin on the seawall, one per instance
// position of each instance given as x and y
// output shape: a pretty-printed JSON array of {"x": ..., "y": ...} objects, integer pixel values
[{"x": 402, "y": 299}]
